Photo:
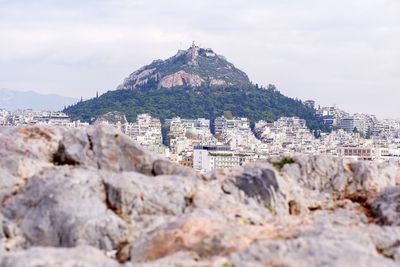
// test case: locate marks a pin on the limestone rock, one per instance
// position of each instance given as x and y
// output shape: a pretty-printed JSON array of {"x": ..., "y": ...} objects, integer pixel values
[
  {"x": 68, "y": 189},
  {"x": 262, "y": 183},
  {"x": 386, "y": 206},
  {"x": 362, "y": 180},
  {"x": 66, "y": 207},
  {"x": 107, "y": 148},
  {"x": 178, "y": 235},
  {"x": 181, "y": 78},
  {"x": 11, "y": 237},
  {"x": 81, "y": 256},
  {"x": 23, "y": 153},
  {"x": 326, "y": 247},
  {"x": 190, "y": 68},
  {"x": 217, "y": 82},
  {"x": 132, "y": 194},
  {"x": 138, "y": 78},
  {"x": 224, "y": 198},
  {"x": 336, "y": 238},
  {"x": 370, "y": 178}
]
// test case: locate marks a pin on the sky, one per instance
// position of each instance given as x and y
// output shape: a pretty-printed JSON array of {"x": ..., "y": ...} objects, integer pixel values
[{"x": 343, "y": 52}]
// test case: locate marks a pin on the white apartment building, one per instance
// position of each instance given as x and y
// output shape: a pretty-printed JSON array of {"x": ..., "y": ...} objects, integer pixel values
[
  {"x": 358, "y": 153},
  {"x": 53, "y": 118},
  {"x": 286, "y": 134},
  {"x": 365, "y": 153},
  {"x": 331, "y": 115},
  {"x": 223, "y": 124},
  {"x": 207, "y": 158},
  {"x": 146, "y": 130},
  {"x": 236, "y": 133},
  {"x": 4, "y": 116},
  {"x": 178, "y": 126},
  {"x": 30, "y": 117},
  {"x": 184, "y": 134},
  {"x": 350, "y": 123},
  {"x": 294, "y": 122}
]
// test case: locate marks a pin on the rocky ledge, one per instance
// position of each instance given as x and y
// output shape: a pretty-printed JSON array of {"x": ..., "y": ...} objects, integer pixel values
[{"x": 91, "y": 197}]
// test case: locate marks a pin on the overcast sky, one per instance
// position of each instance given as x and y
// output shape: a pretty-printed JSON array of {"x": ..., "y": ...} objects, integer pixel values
[{"x": 344, "y": 52}]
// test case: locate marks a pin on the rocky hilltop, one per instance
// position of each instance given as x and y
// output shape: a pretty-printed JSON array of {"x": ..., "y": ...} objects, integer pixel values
[
  {"x": 194, "y": 67},
  {"x": 194, "y": 83},
  {"x": 91, "y": 197}
]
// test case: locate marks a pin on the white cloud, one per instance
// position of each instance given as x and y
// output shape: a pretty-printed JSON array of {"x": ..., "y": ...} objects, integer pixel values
[{"x": 335, "y": 51}]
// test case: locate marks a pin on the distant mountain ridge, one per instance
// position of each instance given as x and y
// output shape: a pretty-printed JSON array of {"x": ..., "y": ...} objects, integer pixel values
[
  {"x": 194, "y": 83},
  {"x": 13, "y": 99}
]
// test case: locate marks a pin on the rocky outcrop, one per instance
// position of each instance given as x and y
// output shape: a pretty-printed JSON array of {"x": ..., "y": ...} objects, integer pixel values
[
  {"x": 23, "y": 153},
  {"x": 66, "y": 207},
  {"x": 217, "y": 82},
  {"x": 92, "y": 197},
  {"x": 82, "y": 256},
  {"x": 181, "y": 78},
  {"x": 106, "y": 148},
  {"x": 191, "y": 68},
  {"x": 138, "y": 78},
  {"x": 387, "y": 206}
]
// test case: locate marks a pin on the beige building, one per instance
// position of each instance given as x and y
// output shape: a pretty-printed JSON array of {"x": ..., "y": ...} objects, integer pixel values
[{"x": 362, "y": 153}]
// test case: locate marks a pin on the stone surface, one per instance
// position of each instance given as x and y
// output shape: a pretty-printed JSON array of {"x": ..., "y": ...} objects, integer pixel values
[
  {"x": 107, "y": 148},
  {"x": 66, "y": 207},
  {"x": 341, "y": 179},
  {"x": 181, "y": 78},
  {"x": 23, "y": 153},
  {"x": 324, "y": 246},
  {"x": 131, "y": 194},
  {"x": 81, "y": 256},
  {"x": 92, "y": 197},
  {"x": 387, "y": 206},
  {"x": 193, "y": 67}
]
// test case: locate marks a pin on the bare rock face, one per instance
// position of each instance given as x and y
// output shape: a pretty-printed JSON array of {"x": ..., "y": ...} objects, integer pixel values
[
  {"x": 107, "y": 148},
  {"x": 181, "y": 78},
  {"x": 92, "y": 197},
  {"x": 387, "y": 206},
  {"x": 11, "y": 235},
  {"x": 66, "y": 207},
  {"x": 190, "y": 68},
  {"x": 81, "y": 256},
  {"x": 263, "y": 184},
  {"x": 134, "y": 195},
  {"x": 362, "y": 180},
  {"x": 217, "y": 82},
  {"x": 323, "y": 246},
  {"x": 138, "y": 78},
  {"x": 24, "y": 152}
]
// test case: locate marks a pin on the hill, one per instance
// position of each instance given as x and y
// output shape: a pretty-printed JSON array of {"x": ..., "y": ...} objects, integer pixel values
[{"x": 194, "y": 83}]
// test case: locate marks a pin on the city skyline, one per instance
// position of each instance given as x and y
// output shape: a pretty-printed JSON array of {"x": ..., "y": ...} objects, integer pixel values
[{"x": 333, "y": 52}]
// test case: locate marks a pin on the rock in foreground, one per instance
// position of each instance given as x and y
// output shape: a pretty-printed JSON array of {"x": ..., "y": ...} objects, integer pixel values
[{"x": 92, "y": 197}]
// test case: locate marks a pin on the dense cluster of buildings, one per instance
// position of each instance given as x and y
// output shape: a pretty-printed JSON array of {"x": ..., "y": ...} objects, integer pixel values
[
  {"x": 30, "y": 117},
  {"x": 235, "y": 141}
]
